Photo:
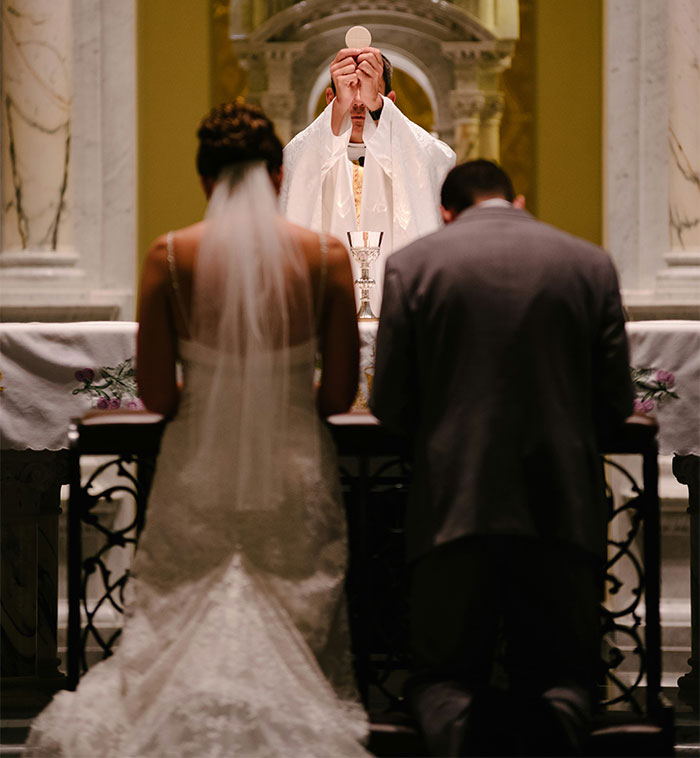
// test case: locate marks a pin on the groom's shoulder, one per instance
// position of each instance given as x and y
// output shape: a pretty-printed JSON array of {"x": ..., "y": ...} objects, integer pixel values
[{"x": 415, "y": 253}]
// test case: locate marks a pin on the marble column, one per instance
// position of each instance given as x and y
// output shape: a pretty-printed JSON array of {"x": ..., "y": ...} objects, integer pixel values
[
  {"x": 652, "y": 154},
  {"x": 476, "y": 101},
  {"x": 279, "y": 100},
  {"x": 491, "y": 65},
  {"x": 68, "y": 221},
  {"x": 36, "y": 133},
  {"x": 682, "y": 277},
  {"x": 491, "y": 116},
  {"x": 269, "y": 67},
  {"x": 466, "y": 100},
  {"x": 466, "y": 116}
]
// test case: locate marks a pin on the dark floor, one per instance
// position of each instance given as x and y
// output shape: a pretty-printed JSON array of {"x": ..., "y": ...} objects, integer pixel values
[
  {"x": 394, "y": 738},
  {"x": 687, "y": 726},
  {"x": 618, "y": 734}
]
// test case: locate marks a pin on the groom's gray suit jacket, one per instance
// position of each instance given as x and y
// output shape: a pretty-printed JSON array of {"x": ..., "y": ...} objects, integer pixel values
[{"x": 502, "y": 351}]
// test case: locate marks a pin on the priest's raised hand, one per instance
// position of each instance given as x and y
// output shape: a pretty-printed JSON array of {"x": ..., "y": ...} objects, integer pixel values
[{"x": 358, "y": 81}]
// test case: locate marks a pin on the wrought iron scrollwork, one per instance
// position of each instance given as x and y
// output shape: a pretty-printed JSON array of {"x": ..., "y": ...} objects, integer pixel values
[
  {"x": 96, "y": 565},
  {"x": 623, "y": 653},
  {"x": 94, "y": 587},
  {"x": 375, "y": 488},
  {"x": 377, "y": 585}
]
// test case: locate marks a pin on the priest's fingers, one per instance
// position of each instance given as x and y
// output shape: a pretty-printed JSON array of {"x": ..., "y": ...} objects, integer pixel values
[
  {"x": 345, "y": 88},
  {"x": 371, "y": 54},
  {"x": 370, "y": 66},
  {"x": 343, "y": 68},
  {"x": 366, "y": 69},
  {"x": 369, "y": 74},
  {"x": 346, "y": 52},
  {"x": 348, "y": 82}
]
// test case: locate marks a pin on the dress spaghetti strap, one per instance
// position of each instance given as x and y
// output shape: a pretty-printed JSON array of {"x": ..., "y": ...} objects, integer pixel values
[{"x": 175, "y": 281}]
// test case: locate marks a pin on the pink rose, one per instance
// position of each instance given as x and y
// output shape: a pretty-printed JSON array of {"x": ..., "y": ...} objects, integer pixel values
[
  {"x": 114, "y": 403},
  {"x": 85, "y": 375},
  {"x": 135, "y": 405},
  {"x": 643, "y": 406},
  {"x": 103, "y": 403},
  {"x": 666, "y": 378}
]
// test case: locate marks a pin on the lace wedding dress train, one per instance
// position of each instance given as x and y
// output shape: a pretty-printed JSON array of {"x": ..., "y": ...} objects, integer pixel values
[{"x": 236, "y": 640}]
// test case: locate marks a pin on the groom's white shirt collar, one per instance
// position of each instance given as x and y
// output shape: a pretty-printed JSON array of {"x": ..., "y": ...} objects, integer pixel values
[{"x": 493, "y": 202}]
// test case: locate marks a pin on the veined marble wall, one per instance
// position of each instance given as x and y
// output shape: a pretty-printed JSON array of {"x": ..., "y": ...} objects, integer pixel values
[
  {"x": 37, "y": 103},
  {"x": 683, "y": 257},
  {"x": 68, "y": 234},
  {"x": 652, "y": 154}
]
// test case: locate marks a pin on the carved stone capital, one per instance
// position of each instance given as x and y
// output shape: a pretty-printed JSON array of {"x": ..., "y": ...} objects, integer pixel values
[
  {"x": 496, "y": 53},
  {"x": 269, "y": 65},
  {"x": 494, "y": 104},
  {"x": 499, "y": 57},
  {"x": 278, "y": 105},
  {"x": 462, "y": 52},
  {"x": 466, "y": 106},
  {"x": 282, "y": 52}
]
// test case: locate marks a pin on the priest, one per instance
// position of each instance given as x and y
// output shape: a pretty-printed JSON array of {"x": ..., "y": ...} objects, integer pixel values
[{"x": 362, "y": 165}]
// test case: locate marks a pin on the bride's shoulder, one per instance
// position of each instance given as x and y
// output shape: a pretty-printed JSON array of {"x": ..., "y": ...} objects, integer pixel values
[{"x": 181, "y": 244}]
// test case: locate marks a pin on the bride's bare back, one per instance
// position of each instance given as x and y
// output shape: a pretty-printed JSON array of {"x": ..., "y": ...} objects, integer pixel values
[{"x": 165, "y": 308}]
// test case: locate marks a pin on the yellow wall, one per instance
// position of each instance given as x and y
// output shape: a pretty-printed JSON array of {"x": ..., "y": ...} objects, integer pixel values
[
  {"x": 568, "y": 115},
  {"x": 174, "y": 92}
]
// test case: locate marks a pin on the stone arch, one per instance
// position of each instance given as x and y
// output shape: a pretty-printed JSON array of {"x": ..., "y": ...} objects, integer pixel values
[{"x": 453, "y": 54}]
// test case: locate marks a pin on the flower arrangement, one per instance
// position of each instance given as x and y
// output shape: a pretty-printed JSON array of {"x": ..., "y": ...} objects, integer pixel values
[
  {"x": 652, "y": 388},
  {"x": 110, "y": 387}
]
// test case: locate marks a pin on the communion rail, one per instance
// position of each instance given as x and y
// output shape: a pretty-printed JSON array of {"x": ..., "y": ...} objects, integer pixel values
[{"x": 375, "y": 475}]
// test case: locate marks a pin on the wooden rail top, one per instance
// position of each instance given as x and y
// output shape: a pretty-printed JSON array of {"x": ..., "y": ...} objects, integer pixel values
[{"x": 139, "y": 432}]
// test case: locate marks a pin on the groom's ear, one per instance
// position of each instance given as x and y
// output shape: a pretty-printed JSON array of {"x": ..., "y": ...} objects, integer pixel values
[
  {"x": 448, "y": 215},
  {"x": 329, "y": 95}
]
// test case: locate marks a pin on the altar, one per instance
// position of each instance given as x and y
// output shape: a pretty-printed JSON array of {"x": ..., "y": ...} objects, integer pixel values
[{"x": 52, "y": 373}]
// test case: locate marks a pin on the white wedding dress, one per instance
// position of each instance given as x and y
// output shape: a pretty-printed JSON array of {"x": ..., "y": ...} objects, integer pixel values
[{"x": 236, "y": 639}]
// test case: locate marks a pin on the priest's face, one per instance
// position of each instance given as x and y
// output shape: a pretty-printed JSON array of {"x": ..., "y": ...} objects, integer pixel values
[{"x": 358, "y": 113}]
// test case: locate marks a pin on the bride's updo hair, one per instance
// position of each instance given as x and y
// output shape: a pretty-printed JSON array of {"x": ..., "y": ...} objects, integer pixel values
[{"x": 237, "y": 132}]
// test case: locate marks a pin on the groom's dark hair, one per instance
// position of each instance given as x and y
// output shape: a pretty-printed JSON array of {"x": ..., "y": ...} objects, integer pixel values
[
  {"x": 236, "y": 132},
  {"x": 469, "y": 181}
]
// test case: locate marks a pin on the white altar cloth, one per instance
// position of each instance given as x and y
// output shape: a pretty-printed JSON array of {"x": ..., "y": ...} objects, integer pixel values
[
  {"x": 672, "y": 347},
  {"x": 54, "y": 372},
  {"x": 666, "y": 346}
]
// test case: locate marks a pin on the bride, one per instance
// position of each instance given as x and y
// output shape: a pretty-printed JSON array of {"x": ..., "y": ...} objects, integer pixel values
[{"x": 236, "y": 639}]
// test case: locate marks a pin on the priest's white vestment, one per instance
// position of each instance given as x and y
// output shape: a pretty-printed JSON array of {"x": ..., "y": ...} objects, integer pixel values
[{"x": 403, "y": 172}]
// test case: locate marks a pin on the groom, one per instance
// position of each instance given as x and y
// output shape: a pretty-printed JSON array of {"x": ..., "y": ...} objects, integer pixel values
[{"x": 502, "y": 352}]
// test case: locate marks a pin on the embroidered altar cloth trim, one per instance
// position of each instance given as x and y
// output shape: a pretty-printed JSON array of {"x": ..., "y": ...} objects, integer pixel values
[
  {"x": 39, "y": 362},
  {"x": 672, "y": 346}
]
